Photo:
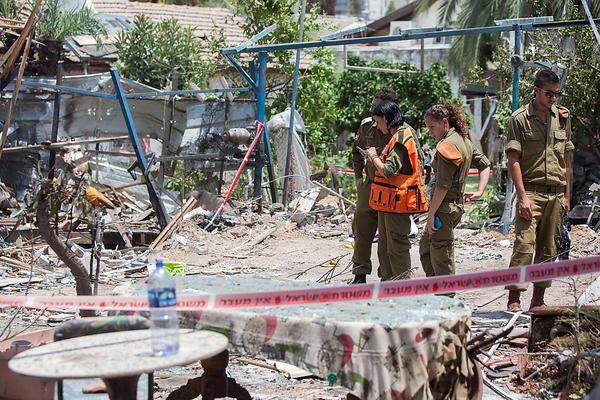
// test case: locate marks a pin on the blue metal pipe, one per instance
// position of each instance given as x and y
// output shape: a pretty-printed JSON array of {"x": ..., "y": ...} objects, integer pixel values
[
  {"x": 240, "y": 69},
  {"x": 508, "y": 202},
  {"x": 157, "y": 204},
  {"x": 262, "y": 117},
  {"x": 409, "y": 36},
  {"x": 146, "y": 95},
  {"x": 516, "y": 70},
  {"x": 68, "y": 90}
]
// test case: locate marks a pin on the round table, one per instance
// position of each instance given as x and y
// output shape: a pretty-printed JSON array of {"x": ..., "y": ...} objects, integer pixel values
[{"x": 117, "y": 357}]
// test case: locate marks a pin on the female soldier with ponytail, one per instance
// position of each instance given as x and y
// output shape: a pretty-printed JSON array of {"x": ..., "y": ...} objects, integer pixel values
[
  {"x": 396, "y": 190},
  {"x": 454, "y": 155}
]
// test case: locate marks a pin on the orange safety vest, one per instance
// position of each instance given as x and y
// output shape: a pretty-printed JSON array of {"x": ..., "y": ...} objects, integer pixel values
[{"x": 403, "y": 194}]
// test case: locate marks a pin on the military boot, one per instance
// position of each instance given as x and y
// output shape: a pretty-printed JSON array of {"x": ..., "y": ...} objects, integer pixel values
[
  {"x": 359, "y": 278},
  {"x": 514, "y": 301},
  {"x": 537, "y": 299}
]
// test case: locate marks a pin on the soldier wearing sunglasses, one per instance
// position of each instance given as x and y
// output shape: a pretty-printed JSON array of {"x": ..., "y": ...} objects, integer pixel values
[{"x": 539, "y": 150}]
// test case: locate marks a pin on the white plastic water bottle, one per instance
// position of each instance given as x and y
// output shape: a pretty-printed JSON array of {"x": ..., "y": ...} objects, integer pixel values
[{"x": 164, "y": 323}]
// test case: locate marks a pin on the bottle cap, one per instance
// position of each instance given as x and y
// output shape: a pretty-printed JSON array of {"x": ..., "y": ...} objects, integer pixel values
[{"x": 159, "y": 263}]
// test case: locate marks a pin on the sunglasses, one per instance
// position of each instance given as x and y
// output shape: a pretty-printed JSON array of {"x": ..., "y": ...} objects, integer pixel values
[{"x": 551, "y": 93}]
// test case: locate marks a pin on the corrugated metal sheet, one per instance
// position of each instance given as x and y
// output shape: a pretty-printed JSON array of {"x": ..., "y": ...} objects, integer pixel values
[{"x": 84, "y": 116}]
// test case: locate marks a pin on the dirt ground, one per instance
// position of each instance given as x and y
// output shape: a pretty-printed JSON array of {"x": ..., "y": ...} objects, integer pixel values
[{"x": 309, "y": 253}]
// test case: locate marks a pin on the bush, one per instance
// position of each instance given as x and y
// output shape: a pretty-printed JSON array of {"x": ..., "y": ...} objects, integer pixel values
[{"x": 150, "y": 50}]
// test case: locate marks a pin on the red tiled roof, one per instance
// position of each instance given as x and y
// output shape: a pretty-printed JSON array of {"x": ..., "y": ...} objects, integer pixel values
[{"x": 204, "y": 20}]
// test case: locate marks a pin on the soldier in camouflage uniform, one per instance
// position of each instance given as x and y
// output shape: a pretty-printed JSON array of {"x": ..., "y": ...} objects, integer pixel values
[
  {"x": 393, "y": 249},
  {"x": 364, "y": 224},
  {"x": 539, "y": 151},
  {"x": 454, "y": 155}
]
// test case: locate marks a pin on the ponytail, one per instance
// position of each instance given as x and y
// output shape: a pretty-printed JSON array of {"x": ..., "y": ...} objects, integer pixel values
[{"x": 454, "y": 114}]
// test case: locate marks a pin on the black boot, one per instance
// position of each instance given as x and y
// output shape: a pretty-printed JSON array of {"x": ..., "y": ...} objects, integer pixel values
[{"x": 359, "y": 278}]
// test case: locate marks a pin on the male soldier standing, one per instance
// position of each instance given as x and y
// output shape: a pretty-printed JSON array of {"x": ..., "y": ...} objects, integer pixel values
[
  {"x": 364, "y": 224},
  {"x": 539, "y": 150}
]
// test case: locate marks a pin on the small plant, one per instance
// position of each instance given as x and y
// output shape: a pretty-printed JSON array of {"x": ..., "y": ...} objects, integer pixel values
[
  {"x": 57, "y": 23},
  {"x": 9, "y": 9}
]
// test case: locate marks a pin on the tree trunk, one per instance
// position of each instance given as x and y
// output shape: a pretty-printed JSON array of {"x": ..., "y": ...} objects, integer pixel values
[{"x": 82, "y": 279}]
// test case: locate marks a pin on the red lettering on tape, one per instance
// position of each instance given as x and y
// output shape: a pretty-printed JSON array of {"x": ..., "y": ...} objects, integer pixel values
[{"x": 388, "y": 289}]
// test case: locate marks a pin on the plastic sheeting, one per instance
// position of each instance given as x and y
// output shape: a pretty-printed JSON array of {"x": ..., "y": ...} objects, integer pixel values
[{"x": 278, "y": 127}]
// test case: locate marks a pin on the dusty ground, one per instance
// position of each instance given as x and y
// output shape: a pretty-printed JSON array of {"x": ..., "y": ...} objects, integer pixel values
[{"x": 308, "y": 253}]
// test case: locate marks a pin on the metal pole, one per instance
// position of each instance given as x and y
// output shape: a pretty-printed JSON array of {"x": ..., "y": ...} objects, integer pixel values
[
  {"x": 157, "y": 204},
  {"x": 422, "y": 55},
  {"x": 293, "y": 109},
  {"x": 408, "y": 36},
  {"x": 508, "y": 201},
  {"x": 55, "y": 119},
  {"x": 167, "y": 135},
  {"x": 262, "y": 79},
  {"x": 591, "y": 20}
]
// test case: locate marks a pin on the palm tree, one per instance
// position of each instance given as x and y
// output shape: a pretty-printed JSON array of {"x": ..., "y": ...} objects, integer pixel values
[{"x": 473, "y": 49}]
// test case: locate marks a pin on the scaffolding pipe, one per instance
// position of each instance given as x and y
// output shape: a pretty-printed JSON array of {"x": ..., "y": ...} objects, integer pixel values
[
  {"x": 286, "y": 182},
  {"x": 508, "y": 200}
]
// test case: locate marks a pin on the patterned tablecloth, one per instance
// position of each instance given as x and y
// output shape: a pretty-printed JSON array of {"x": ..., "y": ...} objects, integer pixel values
[{"x": 411, "y": 348}]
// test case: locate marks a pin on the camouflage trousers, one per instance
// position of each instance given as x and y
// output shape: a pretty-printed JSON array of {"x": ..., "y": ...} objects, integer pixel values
[
  {"x": 538, "y": 236},
  {"x": 393, "y": 247},
  {"x": 437, "y": 251},
  {"x": 364, "y": 227}
]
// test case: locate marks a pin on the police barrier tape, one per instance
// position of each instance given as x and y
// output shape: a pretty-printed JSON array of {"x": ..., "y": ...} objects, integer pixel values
[{"x": 332, "y": 294}]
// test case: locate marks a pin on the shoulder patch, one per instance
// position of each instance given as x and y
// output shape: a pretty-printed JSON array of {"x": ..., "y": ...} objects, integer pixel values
[
  {"x": 519, "y": 110},
  {"x": 367, "y": 120},
  {"x": 449, "y": 152},
  {"x": 563, "y": 112}
]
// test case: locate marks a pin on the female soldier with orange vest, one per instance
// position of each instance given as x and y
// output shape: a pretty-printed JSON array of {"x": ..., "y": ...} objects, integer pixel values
[
  {"x": 397, "y": 190},
  {"x": 454, "y": 155}
]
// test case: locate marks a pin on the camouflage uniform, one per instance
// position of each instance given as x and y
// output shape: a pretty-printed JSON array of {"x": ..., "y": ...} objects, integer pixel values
[
  {"x": 364, "y": 224},
  {"x": 437, "y": 250},
  {"x": 393, "y": 247},
  {"x": 542, "y": 145}
]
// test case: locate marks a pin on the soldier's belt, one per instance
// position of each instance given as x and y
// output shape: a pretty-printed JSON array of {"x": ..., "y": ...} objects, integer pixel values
[{"x": 530, "y": 187}]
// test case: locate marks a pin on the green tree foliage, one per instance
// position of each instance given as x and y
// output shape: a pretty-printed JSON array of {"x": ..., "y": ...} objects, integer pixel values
[
  {"x": 259, "y": 14},
  {"x": 331, "y": 102},
  {"x": 417, "y": 91},
  {"x": 469, "y": 50},
  {"x": 150, "y": 50},
  {"x": 574, "y": 48}
]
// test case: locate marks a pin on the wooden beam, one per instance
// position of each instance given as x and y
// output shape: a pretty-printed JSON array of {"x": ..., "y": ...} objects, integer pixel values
[{"x": 58, "y": 145}]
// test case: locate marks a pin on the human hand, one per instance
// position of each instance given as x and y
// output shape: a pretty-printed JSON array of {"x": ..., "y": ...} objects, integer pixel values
[
  {"x": 524, "y": 207},
  {"x": 567, "y": 204},
  {"x": 473, "y": 196},
  {"x": 372, "y": 153},
  {"x": 430, "y": 228}
]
